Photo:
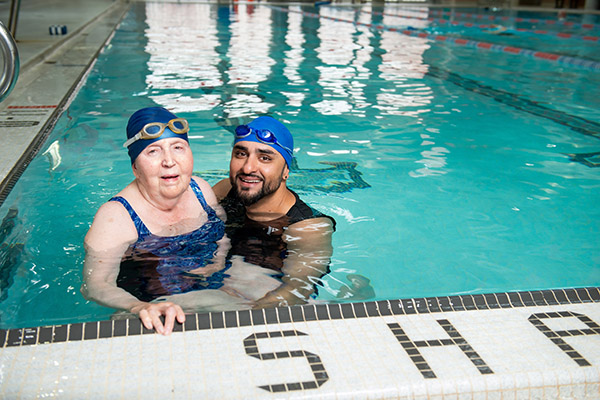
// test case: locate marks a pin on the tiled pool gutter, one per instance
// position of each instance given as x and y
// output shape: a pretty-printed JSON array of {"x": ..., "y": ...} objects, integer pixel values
[{"x": 537, "y": 344}]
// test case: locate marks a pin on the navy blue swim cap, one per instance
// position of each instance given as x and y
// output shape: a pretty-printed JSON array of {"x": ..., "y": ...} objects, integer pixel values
[
  {"x": 281, "y": 133},
  {"x": 144, "y": 116}
]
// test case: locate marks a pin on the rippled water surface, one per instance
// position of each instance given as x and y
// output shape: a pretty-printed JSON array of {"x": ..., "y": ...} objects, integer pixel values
[{"x": 449, "y": 168}]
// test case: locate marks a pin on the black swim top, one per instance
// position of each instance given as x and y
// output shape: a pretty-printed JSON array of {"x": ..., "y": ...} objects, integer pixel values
[
  {"x": 261, "y": 243},
  {"x": 156, "y": 266}
]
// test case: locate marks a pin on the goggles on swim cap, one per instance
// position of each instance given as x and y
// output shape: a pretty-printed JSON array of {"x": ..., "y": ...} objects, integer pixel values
[
  {"x": 153, "y": 130},
  {"x": 263, "y": 135}
]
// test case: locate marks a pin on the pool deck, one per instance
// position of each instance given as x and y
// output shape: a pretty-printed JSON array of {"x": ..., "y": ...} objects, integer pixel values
[
  {"x": 527, "y": 345},
  {"x": 50, "y": 65}
]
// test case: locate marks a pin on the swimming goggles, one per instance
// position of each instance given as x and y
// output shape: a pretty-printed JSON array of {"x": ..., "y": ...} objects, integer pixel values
[
  {"x": 155, "y": 129},
  {"x": 263, "y": 135}
]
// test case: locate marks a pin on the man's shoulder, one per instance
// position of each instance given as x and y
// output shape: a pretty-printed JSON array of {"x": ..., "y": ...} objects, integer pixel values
[
  {"x": 301, "y": 211},
  {"x": 222, "y": 189}
]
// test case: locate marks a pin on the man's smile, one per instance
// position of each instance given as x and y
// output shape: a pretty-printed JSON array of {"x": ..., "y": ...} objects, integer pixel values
[{"x": 249, "y": 180}]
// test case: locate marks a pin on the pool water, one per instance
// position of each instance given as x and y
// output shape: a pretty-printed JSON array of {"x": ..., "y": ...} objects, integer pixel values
[{"x": 449, "y": 169}]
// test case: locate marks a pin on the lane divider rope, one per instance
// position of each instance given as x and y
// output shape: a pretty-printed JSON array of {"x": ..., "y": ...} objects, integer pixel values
[
  {"x": 540, "y": 55},
  {"x": 560, "y": 35},
  {"x": 566, "y": 23}
]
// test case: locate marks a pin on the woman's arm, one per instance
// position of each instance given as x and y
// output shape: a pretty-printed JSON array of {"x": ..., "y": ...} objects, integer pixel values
[{"x": 105, "y": 244}]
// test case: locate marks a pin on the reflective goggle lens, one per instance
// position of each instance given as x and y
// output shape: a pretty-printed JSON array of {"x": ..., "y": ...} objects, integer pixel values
[
  {"x": 179, "y": 125},
  {"x": 153, "y": 129},
  {"x": 266, "y": 136},
  {"x": 242, "y": 131}
]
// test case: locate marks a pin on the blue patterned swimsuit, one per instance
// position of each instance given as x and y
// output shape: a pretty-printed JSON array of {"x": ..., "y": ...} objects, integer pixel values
[{"x": 156, "y": 266}]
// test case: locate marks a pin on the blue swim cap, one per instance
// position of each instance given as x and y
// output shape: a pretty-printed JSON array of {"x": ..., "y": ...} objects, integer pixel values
[
  {"x": 281, "y": 133},
  {"x": 145, "y": 116}
]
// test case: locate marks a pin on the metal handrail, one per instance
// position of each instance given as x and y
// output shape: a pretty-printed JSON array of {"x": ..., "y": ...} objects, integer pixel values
[
  {"x": 15, "y": 6},
  {"x": 10, "y": 72}
]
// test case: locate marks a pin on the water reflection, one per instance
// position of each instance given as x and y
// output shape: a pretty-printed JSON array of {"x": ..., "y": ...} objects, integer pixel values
[
  {"x": 295, "y": 39},
  {"x": 183, "y": 56},
  {"x": 344, "y": 58},
  {"x": 249, "y": 57}
]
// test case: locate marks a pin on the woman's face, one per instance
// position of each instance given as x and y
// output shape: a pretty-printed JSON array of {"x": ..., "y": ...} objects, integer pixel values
[{"x": 164, "y": 168}]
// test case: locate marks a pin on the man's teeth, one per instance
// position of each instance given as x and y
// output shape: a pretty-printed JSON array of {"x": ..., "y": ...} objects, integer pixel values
[{"x": 247, "y": 180}]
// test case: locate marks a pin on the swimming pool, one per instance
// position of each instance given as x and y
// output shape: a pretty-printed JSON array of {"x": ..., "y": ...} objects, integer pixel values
[{"x": 450, "y": 169}]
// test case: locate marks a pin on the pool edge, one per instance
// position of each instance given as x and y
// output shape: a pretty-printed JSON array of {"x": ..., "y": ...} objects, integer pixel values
[{"x": 104, "y": 329}]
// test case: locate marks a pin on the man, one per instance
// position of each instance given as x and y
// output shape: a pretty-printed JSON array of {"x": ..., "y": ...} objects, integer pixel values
[{"x": 282, "y": 242}]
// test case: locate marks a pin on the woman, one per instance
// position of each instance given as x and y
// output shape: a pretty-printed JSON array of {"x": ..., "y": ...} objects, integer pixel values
[{"x": 162, "y": 235}]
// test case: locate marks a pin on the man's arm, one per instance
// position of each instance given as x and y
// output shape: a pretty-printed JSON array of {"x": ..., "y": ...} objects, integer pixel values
[{"x": 309, "y": 254}]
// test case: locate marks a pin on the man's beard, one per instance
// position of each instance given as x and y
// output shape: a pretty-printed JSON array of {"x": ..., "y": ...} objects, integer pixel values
[{"x": 268, "y": 187}]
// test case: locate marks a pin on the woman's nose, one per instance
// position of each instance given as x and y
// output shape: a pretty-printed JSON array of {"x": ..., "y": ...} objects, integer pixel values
[{"x": 168, "y": 159}]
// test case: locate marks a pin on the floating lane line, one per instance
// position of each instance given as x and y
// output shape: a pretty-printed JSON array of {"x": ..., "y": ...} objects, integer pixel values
[
  {"x": 556, "y": 58},
  {"x": 440, "y": 21},
  {"x": 569, "y": 24},
  {"x": 398, "y": 15}
]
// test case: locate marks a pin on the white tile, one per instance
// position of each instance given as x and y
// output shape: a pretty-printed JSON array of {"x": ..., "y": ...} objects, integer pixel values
[
  {"x": 362, "y": 358},
  {"x": 592, "y": 391}
]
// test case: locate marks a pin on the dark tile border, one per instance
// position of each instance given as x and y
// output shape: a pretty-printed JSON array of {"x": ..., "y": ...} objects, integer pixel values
[{"x": 322, "y": 312}]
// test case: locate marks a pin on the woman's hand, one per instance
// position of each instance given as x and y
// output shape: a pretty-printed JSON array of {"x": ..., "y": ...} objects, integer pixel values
[{"x": 150, "y": 314}]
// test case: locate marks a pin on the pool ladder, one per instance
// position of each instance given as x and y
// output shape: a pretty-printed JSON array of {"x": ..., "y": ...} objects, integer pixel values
[{"x": 10, "y": 54}]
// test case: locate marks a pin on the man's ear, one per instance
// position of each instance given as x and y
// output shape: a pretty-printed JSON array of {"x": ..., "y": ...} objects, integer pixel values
[{"x": 286, "y": 173}]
